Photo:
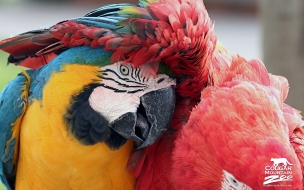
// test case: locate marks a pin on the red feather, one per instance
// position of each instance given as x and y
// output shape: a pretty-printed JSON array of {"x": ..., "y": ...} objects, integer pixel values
[
  {"x": 30, "y": 46},
  {"x": 36, "y": 62},
  {"x": 26, "y": 45}
]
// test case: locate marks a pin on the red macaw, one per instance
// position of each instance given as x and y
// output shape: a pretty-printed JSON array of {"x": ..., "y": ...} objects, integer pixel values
[
  {"x": 240, "y": 126},
  {"x": 152, "y": 165},
  {"x": 239, "y": 133},
  {"x": 237, "y": 129}
]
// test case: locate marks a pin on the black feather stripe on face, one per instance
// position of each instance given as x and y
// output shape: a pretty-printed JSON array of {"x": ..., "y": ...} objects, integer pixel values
[{"x": 87, "y": 125}]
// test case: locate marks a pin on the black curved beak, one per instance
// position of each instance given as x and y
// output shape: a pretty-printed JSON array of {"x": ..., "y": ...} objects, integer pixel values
[{"x": 151, "y": 120}]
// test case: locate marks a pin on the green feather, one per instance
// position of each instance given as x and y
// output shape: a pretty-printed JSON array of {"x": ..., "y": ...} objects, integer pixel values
[
  {"x": 143, "y": 3},
  {"x": 134, "y": 12},
  {"x": 164, "y": 69}
]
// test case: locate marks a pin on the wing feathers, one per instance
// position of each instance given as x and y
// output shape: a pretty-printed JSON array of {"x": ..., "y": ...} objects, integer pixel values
[{"x": 14, "y": 101}]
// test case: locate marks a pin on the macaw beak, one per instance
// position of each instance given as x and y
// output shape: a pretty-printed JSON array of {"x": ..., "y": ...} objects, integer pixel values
[{"x": 151, "y": 120}]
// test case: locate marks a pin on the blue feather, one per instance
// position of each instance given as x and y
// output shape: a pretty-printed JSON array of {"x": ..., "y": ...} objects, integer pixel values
[
  {"x": 101, "y": 22},
  {"x": 108, "y": 10},
  {"x": 77, "y": 55},
  {"x": 12, "y": 106}
]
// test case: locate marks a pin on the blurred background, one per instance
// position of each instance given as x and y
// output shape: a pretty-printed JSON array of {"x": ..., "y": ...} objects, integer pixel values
[{"x": 270, "y": 30}]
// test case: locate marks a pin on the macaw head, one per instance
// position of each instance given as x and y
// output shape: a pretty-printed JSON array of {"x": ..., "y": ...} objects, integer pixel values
[
  {"x": 108, "y": 102},
  {"x": 236, "y": 134}
]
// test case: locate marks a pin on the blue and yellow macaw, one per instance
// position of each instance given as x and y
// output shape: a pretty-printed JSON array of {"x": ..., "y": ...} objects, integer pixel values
[{"x": 72, "y": 120}]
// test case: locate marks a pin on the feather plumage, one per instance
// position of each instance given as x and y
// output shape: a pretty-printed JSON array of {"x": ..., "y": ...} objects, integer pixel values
[
  {"x": 175, "y": 18},
  {"x": 182, "y": 40},
  {"x": 13, "y": 104},
  {"x": 108, "y": 10},
  {"x": 235, "y": 128},
  {"x": 94, "y": 30},
  {"x": 163, "y": 31},
  {"x": 254, "y": 93}
]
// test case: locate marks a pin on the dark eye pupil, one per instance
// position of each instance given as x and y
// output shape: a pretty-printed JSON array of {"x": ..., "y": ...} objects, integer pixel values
[
  {"x": 124, "y": 70},
  {"x": 234, "y": 181}
]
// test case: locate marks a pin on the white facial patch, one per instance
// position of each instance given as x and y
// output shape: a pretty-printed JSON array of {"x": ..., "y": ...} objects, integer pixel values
[
  {"x": 231, "y": 183},
  {"x": 121, "y": 87}
]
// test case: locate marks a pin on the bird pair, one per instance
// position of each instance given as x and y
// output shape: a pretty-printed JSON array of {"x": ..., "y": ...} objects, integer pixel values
[{"x": 116, "y": 79}]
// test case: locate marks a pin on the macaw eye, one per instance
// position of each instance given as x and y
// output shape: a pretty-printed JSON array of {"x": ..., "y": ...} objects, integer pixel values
[
  {"x": 233, "y": 181},
  {"x": 124, "y": 70}
]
